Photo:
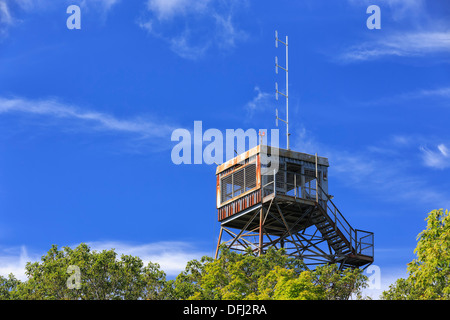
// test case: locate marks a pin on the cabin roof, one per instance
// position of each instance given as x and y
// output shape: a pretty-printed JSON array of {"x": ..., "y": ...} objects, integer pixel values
[{"x": 281, "y": 152}]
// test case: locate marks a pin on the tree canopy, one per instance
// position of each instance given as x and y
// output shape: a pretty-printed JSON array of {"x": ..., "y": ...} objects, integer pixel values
[
  {"x": 102, "y": 277},
  {"x": 273, "y": 275},
  {"x": 84, "y": 274},
  {"x": 428, "y": 274}
]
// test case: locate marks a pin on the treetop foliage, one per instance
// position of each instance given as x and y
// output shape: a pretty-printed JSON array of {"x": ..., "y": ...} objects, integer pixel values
[
  {"x": 105, "y": 276},
  {"x": 429, "y": 273}
]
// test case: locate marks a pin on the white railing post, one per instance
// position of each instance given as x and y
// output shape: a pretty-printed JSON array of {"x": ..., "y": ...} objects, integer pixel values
[
  {"x": 274, "y": 183},
  {"x": 317, "y": 183}
]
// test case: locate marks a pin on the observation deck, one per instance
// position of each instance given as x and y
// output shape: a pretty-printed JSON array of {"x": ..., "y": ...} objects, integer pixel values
[{"x": 276, "y": 197}]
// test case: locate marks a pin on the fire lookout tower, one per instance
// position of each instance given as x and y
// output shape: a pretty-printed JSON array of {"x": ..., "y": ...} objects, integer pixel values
[{"x": 286, "y": 208}]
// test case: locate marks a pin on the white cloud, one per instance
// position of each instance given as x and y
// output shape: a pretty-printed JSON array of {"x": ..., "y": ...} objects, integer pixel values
[
  {"x": 14, "y": 260},
  {"x": 192, "y": 28},
  {"x": 260, "y": 102},
  {"x": 420, "y": 32},
  {"x": 172, "y": 256},
  {"x": 167, "y": 9},
  {"x": 440, "y": 96},
  {"x": 9, "y": 18},
  {"x": 86, "y": 118},
  {"x": 103, "y": 5},
  {"x": 384, "y": 172},
  {"x": 227, "y": 33},
  {"x": 6, "y": 19},
  {"x": 400, "y": 9},
  {"x": 440, "y": 92},
  {"x": 5, "y": 15},
  {"x": 409, "y": 44},
  {"x": 181, "y": 46},
  {"x": 438, "y": 159},
  {"x": 443, "y": 149}
]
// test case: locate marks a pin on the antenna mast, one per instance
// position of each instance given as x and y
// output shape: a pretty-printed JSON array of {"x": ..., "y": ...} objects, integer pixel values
[{"x": 286, "y": 95}]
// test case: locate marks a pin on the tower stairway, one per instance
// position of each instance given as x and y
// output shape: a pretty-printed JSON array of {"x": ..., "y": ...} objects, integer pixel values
[
  {"x": 330, "y": 233},
  {"x": 352, "y": 247}
]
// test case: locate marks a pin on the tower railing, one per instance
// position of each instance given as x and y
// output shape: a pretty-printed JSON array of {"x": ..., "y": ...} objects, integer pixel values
[
  {"x": 289, "y": 183},
  {"x": 303, "y": 186}
]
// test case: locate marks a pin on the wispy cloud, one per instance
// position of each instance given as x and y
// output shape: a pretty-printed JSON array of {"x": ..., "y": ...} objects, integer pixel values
[
  {"x": 101, "y": 6},
  {"x": 5, "y": 15},
  {"x": 13, "y": 260},
  {"x": 181, "y": 45},
  {"x": 12, "y": 12},
  {"x": 6, "y": 19},
  {"x": 86, "y": 118},
  {"x": 261, "y": 101},
  {"x": 172, "y": 256},
  {"x": 386, "y": 172},
  {"x": 438, "y": 158},
  {"x": 400, "y": 9},
  {"x": 441, "y": 94},
  {"x": 419, "y": 32},
  {"x": 192, "y": 28},
  {"x": 408, "y": 44},
  {"x": 168, "y": 9}
]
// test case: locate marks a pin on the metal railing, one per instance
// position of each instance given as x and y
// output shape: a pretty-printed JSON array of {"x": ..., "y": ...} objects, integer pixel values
[
  {"x": 306, "y": 187},
  {"x": 364, "y": 242},
  {"x": 289, "y": 183}
]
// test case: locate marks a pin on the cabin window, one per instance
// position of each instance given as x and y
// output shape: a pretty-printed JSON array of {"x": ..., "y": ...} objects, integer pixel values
[{"x": 238, "y": 182}]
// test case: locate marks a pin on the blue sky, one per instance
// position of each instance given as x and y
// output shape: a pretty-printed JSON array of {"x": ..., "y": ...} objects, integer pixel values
[{"x": 86, "y": 117}]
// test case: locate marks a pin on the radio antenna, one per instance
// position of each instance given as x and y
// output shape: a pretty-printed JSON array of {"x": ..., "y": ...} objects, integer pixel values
[{"x": 286, "y": 95}]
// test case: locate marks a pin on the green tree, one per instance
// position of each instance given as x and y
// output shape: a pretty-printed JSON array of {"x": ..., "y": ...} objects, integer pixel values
[
  {"x": 402, "y": 289},
  {"x": 326, "y": 282},
  {"x": 188, "y": 282},
  {"x": 273, "y": 275},
  {"x": 102, "y": 277},
  {"x": 339, "y": 284},
  {"x": 232, "y": 276},
  {"x": 428, "y": 274},
  {"x": 8, "y": 286},
  {"x": 284, "y": 284}
]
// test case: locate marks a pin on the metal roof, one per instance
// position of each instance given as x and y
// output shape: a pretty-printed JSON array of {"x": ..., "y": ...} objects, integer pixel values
[{"x": 281, "y": 152}]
